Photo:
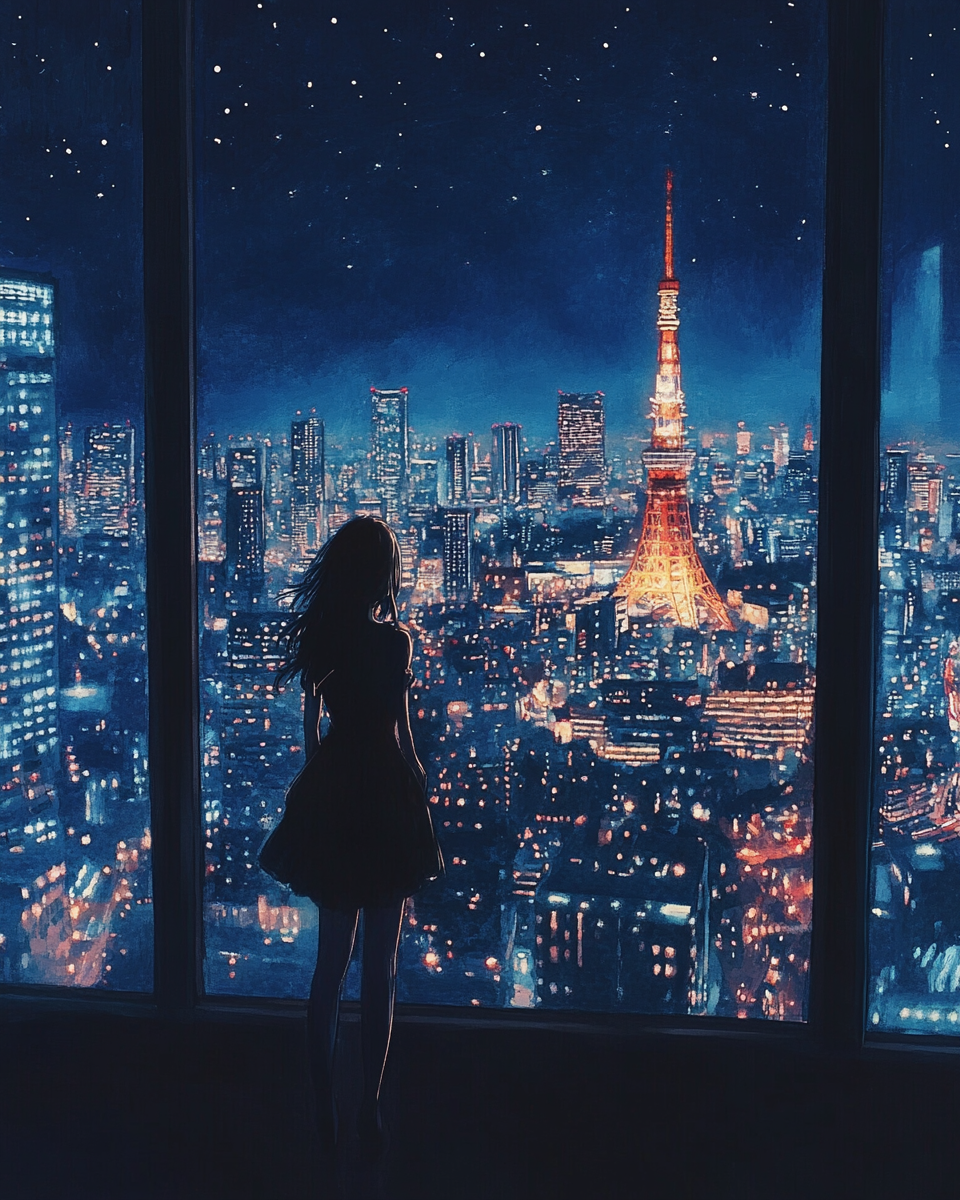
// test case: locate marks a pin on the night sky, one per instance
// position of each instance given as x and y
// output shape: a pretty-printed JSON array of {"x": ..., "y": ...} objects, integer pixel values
[
  {"x": 70, "y": 198},
  {"x": 323, "y": 272},
  {"x": 922, "y": 223},
  {"x": 467, "y": 200}
]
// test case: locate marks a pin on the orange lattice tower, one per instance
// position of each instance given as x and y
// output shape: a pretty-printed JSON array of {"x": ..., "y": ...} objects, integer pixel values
[{"x": 666, "y": 579}]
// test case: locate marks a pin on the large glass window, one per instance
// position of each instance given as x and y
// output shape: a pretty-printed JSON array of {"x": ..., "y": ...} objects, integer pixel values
[
  {"x": 541, "y": 287},
  {"x": 75, "y": 893},
  {"x": 915, "y": 865}
]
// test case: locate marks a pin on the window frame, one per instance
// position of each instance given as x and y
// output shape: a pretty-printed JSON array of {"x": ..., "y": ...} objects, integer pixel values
[{"x": 847, "y": 565}]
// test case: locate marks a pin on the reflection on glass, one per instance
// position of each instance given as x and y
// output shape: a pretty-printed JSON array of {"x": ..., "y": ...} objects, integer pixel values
[
  {"x": 459, "y": 305},
  {"x": 75, "y": 889},
  {"x": 915, "y": 861}
]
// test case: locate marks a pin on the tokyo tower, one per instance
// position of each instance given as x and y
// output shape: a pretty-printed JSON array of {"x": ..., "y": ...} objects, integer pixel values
[{"x": 666, "y": 579}]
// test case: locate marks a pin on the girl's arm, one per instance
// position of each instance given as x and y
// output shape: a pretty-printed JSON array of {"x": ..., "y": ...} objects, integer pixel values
[
  {"x": 311, "y": 720},
  {"x": 404, "y": 732},
  {"x": 405, "y": 737}
]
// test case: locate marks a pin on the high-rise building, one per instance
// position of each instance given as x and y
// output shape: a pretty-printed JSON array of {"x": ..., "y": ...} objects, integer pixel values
[
  {"x": 744, "y": 437},
  {"x": 106, "y": 489},
  {"x": 210, "y": 501},
  {"x": 245, "y": 544},
  {"x": 781, "y": 445},
  {"x": 208, "y": 459},
  {"x": 895, "y": 481},
  {"x": 423, "y": 486},
  {"x": 582, "y": 448},
  {"x": 307, "y": 475},
  {"x": 457, "y": 472},
  {"x": 506, "y": 462},
  {"x": 539, "y": 489},
  {"x": 388, "y": 431},
  {"x": 28, "y": 546},
  {"x": 67, "y": 505},
  {"x": 666, "y": 579},
  {"x": 245, "y": 467},
  {"x": 457, "y": 547}
]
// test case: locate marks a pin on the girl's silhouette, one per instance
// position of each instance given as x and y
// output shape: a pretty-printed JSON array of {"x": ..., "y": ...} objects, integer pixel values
[{"x": 356, "y": 833}]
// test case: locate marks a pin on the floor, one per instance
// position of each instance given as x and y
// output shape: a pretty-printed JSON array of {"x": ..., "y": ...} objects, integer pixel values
[{"x": 101, "y": 1107}]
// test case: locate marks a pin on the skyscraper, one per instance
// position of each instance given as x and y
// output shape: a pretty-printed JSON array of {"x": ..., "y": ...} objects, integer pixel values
[
  {"x": 781, "y": 445},
  {"x": 506, "y": 462},
  {"x": 582, "y": 449},
  {"x": 457, "y": 482},
  {"x": 28, "y": 546},
  {"x": 106, "y": 491},
  {"x": 244, "y": 532},
  {"x": 388, "y": 431},
  {"x": 457, "y": 546},
  {"x": 245, "y": 544},
  {"x": 895, "y": 462},
  {"x": 210, "y": 543},
  {"x": 245, "y": 466},
  {"x": 666, "y": 578},
  {"x": 307, "y": 472}
]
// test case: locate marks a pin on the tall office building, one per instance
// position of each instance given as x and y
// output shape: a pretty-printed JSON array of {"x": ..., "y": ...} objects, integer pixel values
[
  {"x": 66, "y": 504},
  {"x": 582, "y": 448},
  {"x": 106, "y": 489},
  {"x": 210, "y": 501},
  {"x": 208, "y": 459},
  {"x": 457, "y": 474},
  {"x": 781, "y": 445},
  {"x": 895, "y": 472},
  {"x": 245, "y": 532},
  {"x": 245, "y": 467},
  {"x": 389, "y": 436},
  {"x": 28, "y": 547},
  {"x": 457, "y": 547},
  {"x": 506, "y": 462},
  {"x": 245, "y": 543},
  {"x": 307, "y": 475}
]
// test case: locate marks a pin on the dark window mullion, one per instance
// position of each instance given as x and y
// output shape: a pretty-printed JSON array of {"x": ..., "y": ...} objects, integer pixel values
[
  {"x": 847, "y": 573},
  {"x": 170, "y": 506}
]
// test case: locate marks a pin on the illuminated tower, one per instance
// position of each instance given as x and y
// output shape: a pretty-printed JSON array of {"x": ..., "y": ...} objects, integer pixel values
[{"x": 666, "y": 579}]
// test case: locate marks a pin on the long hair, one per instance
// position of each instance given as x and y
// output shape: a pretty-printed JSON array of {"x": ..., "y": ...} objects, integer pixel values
[{"x": 356, "y": 573}]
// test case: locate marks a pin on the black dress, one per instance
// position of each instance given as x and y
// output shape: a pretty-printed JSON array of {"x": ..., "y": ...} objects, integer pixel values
[{"x": 356, "y": 831}]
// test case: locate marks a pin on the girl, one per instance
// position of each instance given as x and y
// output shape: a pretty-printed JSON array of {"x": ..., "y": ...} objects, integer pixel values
[{"x": 356, "y": 832}]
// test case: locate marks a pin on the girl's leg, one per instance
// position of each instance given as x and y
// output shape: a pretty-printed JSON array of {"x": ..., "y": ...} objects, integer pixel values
[
  {"x": 337, "y": 932},
  {"x": 381, "y": 936}
]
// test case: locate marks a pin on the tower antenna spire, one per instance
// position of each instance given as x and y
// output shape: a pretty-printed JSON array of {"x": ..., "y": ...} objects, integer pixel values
[{"x": 668, "y": 230}]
